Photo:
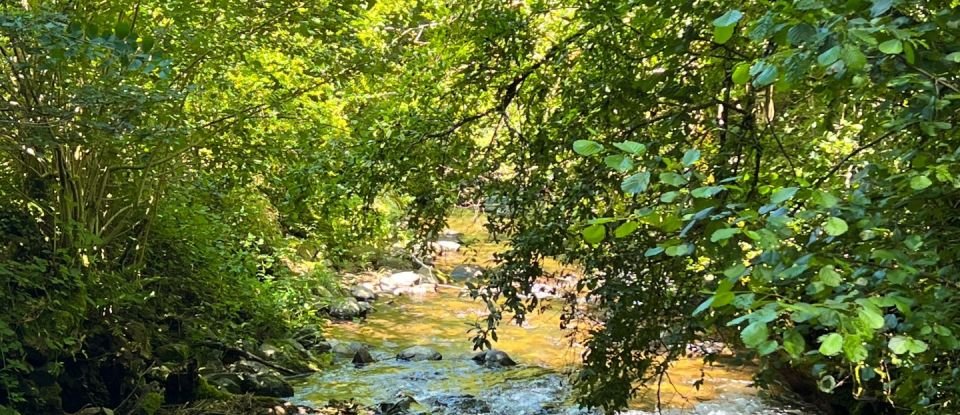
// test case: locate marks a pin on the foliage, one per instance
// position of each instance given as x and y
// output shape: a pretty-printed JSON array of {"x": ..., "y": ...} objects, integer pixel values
[
  {"x": 782, "y": 173},
  {"x": 794, "y": 159},
  {"x": 147, "y": 172}
]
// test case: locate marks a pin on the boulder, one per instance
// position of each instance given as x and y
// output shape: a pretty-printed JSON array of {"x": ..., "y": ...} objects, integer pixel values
[
  {"x": 362, "y": 293},
  {"x": 494, "y": 358},
  {"x": 400, "y": 406},
  {"x": 460, "y": 404},
  {"x": 464, "y": 273},
  {"x": 346, "y": 308},
  {"x": 226, "y": 382},
  {"x": 419, "y": 353},
  {"x": 250, "y": 367},
  {"x": 348, "y": 348},
  {"x": 266, "y": 384},
  {"x": 365, "y": 307},
  {"x": 288, "y": 353},
  {"x": 322, "y": 347},
  {"x": 444, "y": 246},
  {"x": 399, "y": 280},
  {"x": 363, "y": 357}
]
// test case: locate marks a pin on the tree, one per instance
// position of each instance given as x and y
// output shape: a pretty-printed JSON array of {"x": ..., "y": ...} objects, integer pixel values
[{"x": 793, "y": 158}]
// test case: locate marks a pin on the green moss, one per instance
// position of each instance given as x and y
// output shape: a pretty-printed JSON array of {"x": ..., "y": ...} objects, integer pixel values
[
  {"x": 150, "y": 403},
  {"x": 208, "y": 391}
]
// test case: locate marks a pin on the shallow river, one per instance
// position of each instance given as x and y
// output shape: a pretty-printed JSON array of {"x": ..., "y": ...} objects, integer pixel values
[{"x": 538, "y": 385}]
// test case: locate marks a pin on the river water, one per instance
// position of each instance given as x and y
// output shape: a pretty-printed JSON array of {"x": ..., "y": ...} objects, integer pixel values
[{"x": 539, "y": 385}]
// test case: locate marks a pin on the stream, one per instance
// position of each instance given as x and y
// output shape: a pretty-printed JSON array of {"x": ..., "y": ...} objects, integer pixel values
[{"x": 539, "y": 384}]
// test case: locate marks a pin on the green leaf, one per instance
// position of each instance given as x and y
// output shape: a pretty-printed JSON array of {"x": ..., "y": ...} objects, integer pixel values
[
  {"x": 705, "y": 192},
  {"x": 653, "y": 251},
  {"x": 871, "y": 316},
  {"x": 741, "y": 74},
  {"x": 830, "y": 56},
  {"x": 669, "y": 197},
  {"x": 783, "y": 195},
  {"x": 587, "y": 147},
  {"x": 723, "y": 234},
  {"x": 767, "y": 347},
  {"x": 908, "y": 53},
  {"x": 723, "y": 34},
  {"x": 636, "y": 183},
  {"x": 672, "y": 179},
  {"x": 880, "y": 7},
  {"x": 754, "y": 334},
  {"x": 794, "y": 343},
  {"x": 594, "y": 234},
  {"x": 619, "y": 162},
  {"x": 729, "y": 18},
  {"x": 854, "y": 350},
  {"x": 904, "y": 344},
  {"x": 830, "y": 344},
  {"x": 892, "y": 47},
  {"x": 914, "y": 242},
  {"x": 625, "y": 229},
  {"x": 721, "y": 299},
  {"x": 735, "y": 272},
  {"x": 920, "y": 182},
  {"x": 825, "y": 199},
  {"x": 690, "y": 156},
  {"x": 835, "y": 226},
  {"x": 631, "y": 147},
  {"x": 953, "y": 57},
  {"x": 917, "y": 346},
  {"x": 808, "y": 4},
  {"x": 801, "y": 33},
  {"x": 704, "y": 305},
  {"x": 854, "y": 57},
  {"x": 898, "y": 344},
  {"x": 767, "y": 76},
  {"x": 829, "y": 276},
  {"x": 678, "y": 250}
]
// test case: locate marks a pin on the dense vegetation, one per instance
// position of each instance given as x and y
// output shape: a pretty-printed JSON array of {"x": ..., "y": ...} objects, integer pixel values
[{"x": 778, "y": 174}]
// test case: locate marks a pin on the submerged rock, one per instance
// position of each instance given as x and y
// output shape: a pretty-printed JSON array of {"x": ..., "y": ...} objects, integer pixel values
[
  {"x": 464, "y": 273},
  {"x": 460, "y": 404},
  {"x": 348, "y": 348},
  {"x": 494, "y": 358},
  {"x": 419, "y": 353},
  {"x": 400, "y": 406},
  {"x": 362, "y": 357}
]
